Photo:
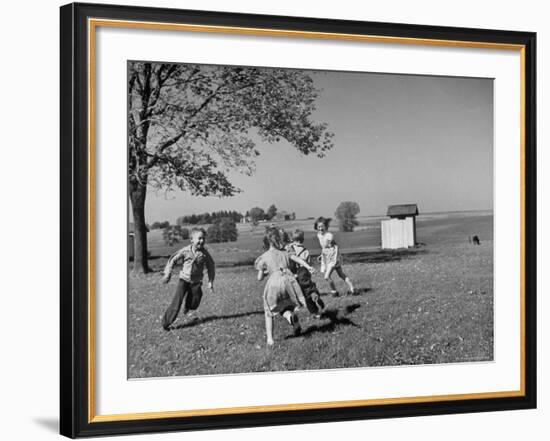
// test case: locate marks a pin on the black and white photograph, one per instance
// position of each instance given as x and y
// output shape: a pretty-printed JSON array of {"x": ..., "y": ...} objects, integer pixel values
[
  {"x": 293, "y": 220},
  {"x": 275, "y": 220}
]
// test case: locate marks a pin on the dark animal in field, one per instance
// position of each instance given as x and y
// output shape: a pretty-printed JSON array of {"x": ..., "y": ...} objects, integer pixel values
[{"x": 475, "y": 240}]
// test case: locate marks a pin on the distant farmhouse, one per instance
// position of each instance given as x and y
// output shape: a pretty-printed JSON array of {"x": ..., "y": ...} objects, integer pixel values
[
  {"x": 284, "y": 216},
  {"x": 399, "y": 231}
]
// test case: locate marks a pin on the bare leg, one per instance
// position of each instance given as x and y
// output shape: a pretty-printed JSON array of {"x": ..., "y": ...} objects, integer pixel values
[
  {"x": 333, "y": 289},
  {"x": 288, "y": 316},
  {"x": 345, "y": 278},
  {"x": 331, "y": 283},
  {"x": 292, "y": 318},
  {"x": 269, "y": 328}
]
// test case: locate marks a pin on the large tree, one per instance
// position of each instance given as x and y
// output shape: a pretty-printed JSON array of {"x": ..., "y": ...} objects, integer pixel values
[
  {"x": 346, "y": 213},
  {"x": 271, "y": 212},
  {"x": 257, "y": 214},
  {"x": 188, "y": 125}
]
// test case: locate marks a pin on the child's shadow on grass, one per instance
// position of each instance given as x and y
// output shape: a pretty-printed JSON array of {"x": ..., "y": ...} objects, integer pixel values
[
  {"x": 199, "y": 321},
  {"x": 336, "y": 317}
]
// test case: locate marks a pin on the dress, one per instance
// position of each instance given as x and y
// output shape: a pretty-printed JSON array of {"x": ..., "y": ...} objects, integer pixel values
[
  {"x": 329, "y": 253},
  {"x": 281, "y": 292}
]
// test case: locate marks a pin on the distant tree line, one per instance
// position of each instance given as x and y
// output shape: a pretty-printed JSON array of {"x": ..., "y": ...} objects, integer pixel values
[
  {"x": 209, "y": 218},
  {"x": 257, "y": 214},
  {"x": 254, "y": 215},
  {"x": 160, "y": 225}
]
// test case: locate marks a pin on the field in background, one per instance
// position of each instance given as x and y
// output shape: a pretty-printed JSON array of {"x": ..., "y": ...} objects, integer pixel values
[
  {"x": 431, "y": 228},
  {"x": 432, "y": 304}
]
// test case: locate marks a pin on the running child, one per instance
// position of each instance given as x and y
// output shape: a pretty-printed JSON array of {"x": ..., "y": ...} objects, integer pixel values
[
  {"x": 331, "y": 259},
  {"x": 282, "y": 294},
  {"x": 194, "y": 258},
  {"x": 314, "y": 303}
]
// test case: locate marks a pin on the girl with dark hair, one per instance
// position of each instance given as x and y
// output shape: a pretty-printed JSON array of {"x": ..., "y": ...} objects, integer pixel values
[
  {"x": 282, "y": 294},
  {"x": 331, "y": 260}
]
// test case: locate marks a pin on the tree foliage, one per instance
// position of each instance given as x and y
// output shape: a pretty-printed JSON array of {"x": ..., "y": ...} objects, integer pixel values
[
  {"x": 346, "y": 214},
  {"x": 223, "y": 230},
  {"x": 271, "y": 212},
  {"x": 174, "y": 234},
  {"x": 256, "y": 214},
  {"x": 189, "y": 124}
]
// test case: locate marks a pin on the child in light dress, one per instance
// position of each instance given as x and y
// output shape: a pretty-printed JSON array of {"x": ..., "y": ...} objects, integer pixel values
[
  {"x": 282, "y": 294},
  {"x": 314, "y": 303},
  {"x": 331, "y": 260}
]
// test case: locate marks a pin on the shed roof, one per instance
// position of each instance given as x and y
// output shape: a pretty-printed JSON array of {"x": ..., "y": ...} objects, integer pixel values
[{"x": 403, "y": 210}]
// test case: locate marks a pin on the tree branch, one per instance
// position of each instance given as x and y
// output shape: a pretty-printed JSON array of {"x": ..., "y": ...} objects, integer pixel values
[
  {"x": 187, "y": 80},
  {"x": 171, "y": 141}
]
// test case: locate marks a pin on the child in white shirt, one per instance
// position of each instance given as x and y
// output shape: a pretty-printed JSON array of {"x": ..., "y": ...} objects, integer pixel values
[{"x": 331, "y": 259}]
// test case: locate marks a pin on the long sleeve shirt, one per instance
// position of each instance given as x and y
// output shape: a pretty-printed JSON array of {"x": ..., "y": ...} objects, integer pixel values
[{"x": 193, "y": 264}]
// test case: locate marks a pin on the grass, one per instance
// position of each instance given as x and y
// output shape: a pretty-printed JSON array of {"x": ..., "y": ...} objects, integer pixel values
[{"x": 431, "y": 305}]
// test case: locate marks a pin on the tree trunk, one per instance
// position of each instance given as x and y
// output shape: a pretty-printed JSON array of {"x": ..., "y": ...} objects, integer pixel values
[{"x": 137, "y": 199}]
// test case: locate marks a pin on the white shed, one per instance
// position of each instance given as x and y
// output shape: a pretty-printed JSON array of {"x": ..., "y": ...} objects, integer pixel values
[{"x": 400, "y": 230}]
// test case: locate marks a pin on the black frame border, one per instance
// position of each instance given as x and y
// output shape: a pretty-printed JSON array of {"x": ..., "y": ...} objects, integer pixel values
[{"x": 74, "y": 219}]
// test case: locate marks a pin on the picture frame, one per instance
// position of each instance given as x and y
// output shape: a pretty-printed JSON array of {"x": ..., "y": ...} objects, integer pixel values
[{"x": 80, "y": 202}]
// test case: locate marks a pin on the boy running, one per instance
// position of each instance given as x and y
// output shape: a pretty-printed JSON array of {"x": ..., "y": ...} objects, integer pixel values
[
  {"x": 314, "y": 303},
  {"x": 193, "y": 258}
]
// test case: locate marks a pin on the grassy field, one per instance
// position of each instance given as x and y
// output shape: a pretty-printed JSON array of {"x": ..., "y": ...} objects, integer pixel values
[{"x": 431, "y": 304}]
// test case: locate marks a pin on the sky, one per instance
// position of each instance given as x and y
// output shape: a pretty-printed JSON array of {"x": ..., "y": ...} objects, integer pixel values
[{"x": 397, "y": 139}]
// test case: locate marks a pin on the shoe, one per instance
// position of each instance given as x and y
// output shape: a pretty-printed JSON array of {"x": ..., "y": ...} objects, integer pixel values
[
  {"x": 296, "y": 325},
  {"x": 170, "y": 326}
]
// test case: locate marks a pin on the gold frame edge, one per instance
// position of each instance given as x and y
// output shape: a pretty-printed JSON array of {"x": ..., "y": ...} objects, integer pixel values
[{"x": 92, "y": 24}]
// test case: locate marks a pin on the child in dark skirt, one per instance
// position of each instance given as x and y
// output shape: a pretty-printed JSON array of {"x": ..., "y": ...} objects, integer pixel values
[{"x": 314, "y": 303}]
